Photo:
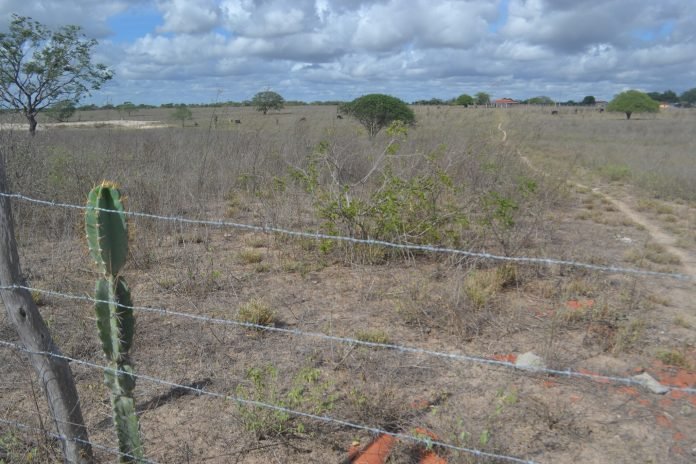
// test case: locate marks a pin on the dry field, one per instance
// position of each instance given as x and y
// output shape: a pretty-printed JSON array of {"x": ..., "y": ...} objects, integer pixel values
[{"x": 583, "y": 186}]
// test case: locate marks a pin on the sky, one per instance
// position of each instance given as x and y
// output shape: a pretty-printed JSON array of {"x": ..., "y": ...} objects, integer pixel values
[{"x": 205, "y": 51}]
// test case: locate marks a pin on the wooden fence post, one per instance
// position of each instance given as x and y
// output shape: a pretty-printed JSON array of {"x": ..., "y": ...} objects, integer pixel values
[{"x": 54, "y": 374}]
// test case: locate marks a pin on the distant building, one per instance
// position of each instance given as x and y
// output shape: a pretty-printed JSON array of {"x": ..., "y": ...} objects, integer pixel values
[
  {"x": 601, "y": 103},
  {"x": 505, "y": 102},
  {"x": 664, "y": 105}
]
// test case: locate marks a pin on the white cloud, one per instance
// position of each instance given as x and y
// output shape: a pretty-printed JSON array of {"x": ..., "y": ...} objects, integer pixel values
[
  {"x": 189, "y": 16},
  {"x": 411, "y": 48}
]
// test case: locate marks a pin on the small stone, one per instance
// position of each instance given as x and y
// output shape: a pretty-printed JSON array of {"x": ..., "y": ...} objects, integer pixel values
[
  {"x": 530, "y": 361},
  {"x": 650, "y": 383}
]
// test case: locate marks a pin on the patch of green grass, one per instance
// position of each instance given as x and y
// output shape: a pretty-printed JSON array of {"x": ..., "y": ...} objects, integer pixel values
[
  {"x": 673, "y": 357},
  {"x": 308, "y": 393},
  {"x": 654, "y": 253},
  {"x": 256, "y": 312},
  {"x": 681, "y": 322},
  {"x": 250, "y": 256},
  {"x": 616, "y": 172},
  {"x": 628, "y": 336},
  {"x": 481, "y": 286},
  {"x": 372, "y": 336}
]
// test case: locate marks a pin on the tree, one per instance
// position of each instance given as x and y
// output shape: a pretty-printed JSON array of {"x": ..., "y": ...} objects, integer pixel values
[
  {"x": 127, "y": 107},
  {"x": 40, "y": 67},
  {"x": 268, "y": 100},
  {"x": 482, "y": 98},
  {"x": 61, "y": 111},
  {"x": 689, "y": 97},
  {"x": 668, "y": 96},
  {"x": 182, "y": 113},
  {"x": 465, "y": 100},
  {"x": 633, "y": 101},
  {"x": 541, "y": 100},
  {"x": 589, "y": 100},
  {"x": 375, "y": 111}
]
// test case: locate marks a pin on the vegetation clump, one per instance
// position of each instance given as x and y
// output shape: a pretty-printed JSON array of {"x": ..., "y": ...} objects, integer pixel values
[
  {"x": 633, "y": 101},
  {"x": 377, "y": 111},
  {"x": 41, "y": 68},
  {"x": 256, "y": 312},
  {"x": 268, "y": 100}
]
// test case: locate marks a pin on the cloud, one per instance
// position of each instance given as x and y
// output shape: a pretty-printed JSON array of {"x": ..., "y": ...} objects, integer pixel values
[
  {"x": 189, "y": 16},
  {"x": 314, "y": 49},
  {"x": 89, "y": 14}
]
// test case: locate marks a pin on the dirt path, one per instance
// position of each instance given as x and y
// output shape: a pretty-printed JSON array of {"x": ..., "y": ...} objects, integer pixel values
[{"x": 657, "y": 234}]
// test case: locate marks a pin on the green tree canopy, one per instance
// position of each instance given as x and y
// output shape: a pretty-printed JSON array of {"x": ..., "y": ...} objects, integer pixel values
[
  {"x": 482, "y": 98},
  {"x": 127, "y": 107},
  {"x": 589, "y": 100},
  {"x": 376, "y": 111},
  {"x": 61, "y": 111},
  {"x": 40, "y": 68},
  {"x": 689, "y": 97},
  {"x": 268, "y": 100},
  {"x": 668, "y": 96},
  {"x": 541, "y": 100},
  {"x": 465, "y": 100},
  {"x": 182, "y": 113},
  {"x": 633, "y": 101}
]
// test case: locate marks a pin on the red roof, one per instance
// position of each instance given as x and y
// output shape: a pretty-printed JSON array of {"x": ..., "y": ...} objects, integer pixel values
[{"x": 504, "y": 101}]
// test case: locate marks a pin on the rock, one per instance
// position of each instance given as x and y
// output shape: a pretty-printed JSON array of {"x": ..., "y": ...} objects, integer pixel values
[
  {"x": 650, "y": 383},
  {"x": 530, "y": 361}
]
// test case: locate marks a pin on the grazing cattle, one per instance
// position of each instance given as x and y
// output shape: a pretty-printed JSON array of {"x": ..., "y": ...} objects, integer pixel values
[
  {"x": 601, "y": 110},
  {"x": 554, "y": 113},
  {"x": 303, "y": 118},
  {"x": 338, "y": 116},
  {"x": 237, "y": 121}
]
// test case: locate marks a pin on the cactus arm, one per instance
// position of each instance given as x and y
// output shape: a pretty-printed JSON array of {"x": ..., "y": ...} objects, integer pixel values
[{"x": 107, "y": 232}]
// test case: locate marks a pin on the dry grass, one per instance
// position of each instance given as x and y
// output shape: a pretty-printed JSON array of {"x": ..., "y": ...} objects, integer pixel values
[{"x": 251, "y": 172}]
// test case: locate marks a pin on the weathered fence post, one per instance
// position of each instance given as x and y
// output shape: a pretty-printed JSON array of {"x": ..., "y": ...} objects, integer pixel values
[{"x": 54, "y": 374}]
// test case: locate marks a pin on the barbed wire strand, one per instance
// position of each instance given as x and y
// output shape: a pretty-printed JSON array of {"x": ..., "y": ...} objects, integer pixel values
[
  {"x": 326, "y": 419},
  {"x": 382, "y": 243},
  {"x": 57, "y": 436},
  {"x": 399, "y": 348}
]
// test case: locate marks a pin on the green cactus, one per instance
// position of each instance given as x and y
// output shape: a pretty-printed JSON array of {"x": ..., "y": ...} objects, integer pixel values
[{"x": 107, "y": 237}]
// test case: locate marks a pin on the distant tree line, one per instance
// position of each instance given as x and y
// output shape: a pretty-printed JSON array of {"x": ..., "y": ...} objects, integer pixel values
[{"x": 686, "y": 99}]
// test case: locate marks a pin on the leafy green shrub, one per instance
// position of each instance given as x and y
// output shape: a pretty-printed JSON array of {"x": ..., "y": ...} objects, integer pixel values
[{"x": 414, "y": 210}]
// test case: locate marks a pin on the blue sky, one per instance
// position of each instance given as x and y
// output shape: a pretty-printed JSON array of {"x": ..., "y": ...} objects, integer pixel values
[{"x": 206, "y": 50}]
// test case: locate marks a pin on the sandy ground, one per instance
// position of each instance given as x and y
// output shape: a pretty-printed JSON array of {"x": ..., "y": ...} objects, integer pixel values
[{"x": 89, "y": 125}]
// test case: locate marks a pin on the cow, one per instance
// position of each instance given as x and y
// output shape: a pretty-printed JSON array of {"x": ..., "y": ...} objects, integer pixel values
[
  {"x": 237, "y": 121},
  {"x": 554, "y": 113},
  {"x": 601, "y": 110},
  {"x": 338, "y": 116},
  {"x": 303, "y": 118}
]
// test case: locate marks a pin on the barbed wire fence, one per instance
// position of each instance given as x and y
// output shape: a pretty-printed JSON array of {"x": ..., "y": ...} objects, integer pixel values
[
  {"x": 428, "y": 442},
  {"x": 380, "y": 243}
]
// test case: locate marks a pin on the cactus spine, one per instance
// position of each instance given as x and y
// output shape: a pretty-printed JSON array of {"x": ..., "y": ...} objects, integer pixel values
[{"x": 107, "y": 237}]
